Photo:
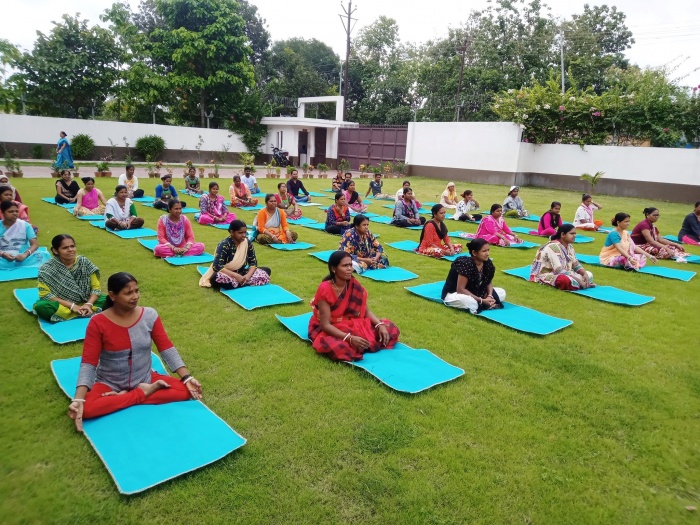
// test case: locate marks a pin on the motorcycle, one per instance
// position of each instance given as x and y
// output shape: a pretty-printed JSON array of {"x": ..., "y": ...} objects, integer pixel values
[{"x": 281, "y": 156}]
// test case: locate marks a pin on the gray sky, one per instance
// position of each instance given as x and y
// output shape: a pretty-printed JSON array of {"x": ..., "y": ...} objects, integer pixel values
[{"x": 663, "y": 34}]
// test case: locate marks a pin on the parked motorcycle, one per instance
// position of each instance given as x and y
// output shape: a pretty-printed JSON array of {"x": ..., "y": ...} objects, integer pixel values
[{"x": 281, "y": 156}]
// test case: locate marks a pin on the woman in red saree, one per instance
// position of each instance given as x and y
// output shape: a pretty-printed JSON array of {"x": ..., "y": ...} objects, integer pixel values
[{"x": 341, "y": 325}]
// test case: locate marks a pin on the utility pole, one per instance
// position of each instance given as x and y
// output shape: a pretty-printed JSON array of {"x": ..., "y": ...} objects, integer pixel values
[
  {"x": 463, "y": 50},
  {"x": 561, "y": 52},
  {"x": 348, "y": 25}
]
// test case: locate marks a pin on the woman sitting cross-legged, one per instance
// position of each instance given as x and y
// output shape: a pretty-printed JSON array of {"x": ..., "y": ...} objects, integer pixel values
[
  {"x": 434, "y": 238},
  {"x": 272, "y": 224},
  {"x": 406, "y": 212},
  {"x": 175, "y": 235},
  {"x": 338, "y": 216},
  {"x": 465, "y": 206},
  {"x": 337, "y": 182},
  {"x": 287, "y": 202},
  {"x": 363, "y": 247},
  {"x": 513, "y": 206},
  {"x": 341, "y": 325},
  {"x": 115, "y": 371},
  {"x": 18, "y": 244},
  {"x": 584, "y": 218},
  {"x": 494, "y": 229},
  {"x": 549, "y": 222},
  {"x": 240, "y": 194},
  {"x": 353, "y": 198},
  {"x": 235, "y": 264},
  {"x": 192, "y": 184},
  {"x": 619, "y": 248},
  {"x": 449, "y": 198},
  {"x": 69, "y": 284},
  {"x": 690, "y": 229},
  {"x": 469, "y": 284},
  {"x": 212, "y": 209},
  {"x": 556, "y": 264},
  {"x": 90, "y": 200},
  {"x": 646, "y": 236},
  {"x": 66, "y": 189},
  {"x": 5, "y": 181},
  {"x": 165, "y": 192},
  {"x": 120, "y": 212}
]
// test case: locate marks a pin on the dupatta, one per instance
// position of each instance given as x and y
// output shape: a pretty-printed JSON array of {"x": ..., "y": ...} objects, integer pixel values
[{"x": 72, "y": 284}]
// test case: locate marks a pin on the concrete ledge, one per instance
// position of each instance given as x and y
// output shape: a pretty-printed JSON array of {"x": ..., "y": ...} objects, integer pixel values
[{"x": 655, "y": 191}]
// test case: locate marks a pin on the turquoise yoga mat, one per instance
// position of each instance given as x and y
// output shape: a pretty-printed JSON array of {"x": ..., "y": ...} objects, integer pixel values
[
  {"x": 143, "y": 199},
  {"x": 392, "y": 274},
  {"x": 19, "y": 273},
  {"x": 252, "y": 208},
  {"x": 85, "y": 217},
  {"x": 51, "y": 200},
  {"x": 178, "y": 260},
  {"x": 126, "y": 234},
  {"x": 381, "y": 219},
  {"x": 305, "y": 204},
  {"x": 649, "y": 269},
  {"x": 401, "y": 368},
  {"x": 523, "y": 245},
  {"x": 672, "y": 238},
  {"x": 60, "y": 333},
  {"x": 302, "y": 221},
  {"x": 412, "y": 246},
  {"x": 607, "y": 294},
  {"x": 291, "y": 247},
  {"x": 367, "y": 214},
  {"x": 122, "y": 442},
  {"x": 580, "y": 239},
  {"x": 316, "y": 194},
  {"x": 511, "y": 315},
  {"x": 320, "y": 226},
  {"x": 252, "y": 297}
]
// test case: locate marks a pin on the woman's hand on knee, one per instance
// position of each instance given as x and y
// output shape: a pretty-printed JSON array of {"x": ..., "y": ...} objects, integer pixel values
[{"x": 75, "y": 412}]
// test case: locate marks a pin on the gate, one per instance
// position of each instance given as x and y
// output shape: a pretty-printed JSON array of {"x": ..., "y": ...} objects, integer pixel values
[{"x": 372, "y": 144}]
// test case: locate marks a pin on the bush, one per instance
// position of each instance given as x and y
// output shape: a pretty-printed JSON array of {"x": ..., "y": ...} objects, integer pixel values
[
  {"x": 37, "y": 151},
  {"x": 151, "y": 146},
  {"x": 82, "y": 146}
]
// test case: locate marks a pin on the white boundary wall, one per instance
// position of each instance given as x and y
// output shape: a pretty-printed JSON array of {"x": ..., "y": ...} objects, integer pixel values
[
  {"x": 45, "y": 130},
  {"x": 496, "y": 147}
]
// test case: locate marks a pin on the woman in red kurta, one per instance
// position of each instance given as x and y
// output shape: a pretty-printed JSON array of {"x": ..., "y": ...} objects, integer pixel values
[
  {"x": 115, "y": 371},
  {"x": 342, "y": 326},
  {"x": 434, "y": 239}
]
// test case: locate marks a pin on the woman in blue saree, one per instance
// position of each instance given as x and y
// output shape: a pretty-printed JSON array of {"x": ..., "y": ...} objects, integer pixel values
[{"x": 64, "y": 154}]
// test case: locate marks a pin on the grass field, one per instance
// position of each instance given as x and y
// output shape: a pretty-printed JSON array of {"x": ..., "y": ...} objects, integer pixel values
[{"x": 597, "y": 423}]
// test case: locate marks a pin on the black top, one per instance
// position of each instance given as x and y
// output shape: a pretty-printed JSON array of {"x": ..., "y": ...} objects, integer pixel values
[
  {"x": 477, "y": 282},
  {"x": 225, "y": 252},
  {"x": 71, "y": 188},
  {"x": 690, "y": 227},
  {"x": 293, "y": 187}
]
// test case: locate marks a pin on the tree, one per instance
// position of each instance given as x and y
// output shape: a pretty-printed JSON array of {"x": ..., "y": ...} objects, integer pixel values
[
  {"x": 595, "y": 41},
  {"x": 9, "y": 55},
  {"x": 258, "y": 36},
  {"x": 70, "y": 72},
  {"x": 301, "y": 68},
  {"x": 203, "y": 48},
  {"x": 382, "y": 76}
]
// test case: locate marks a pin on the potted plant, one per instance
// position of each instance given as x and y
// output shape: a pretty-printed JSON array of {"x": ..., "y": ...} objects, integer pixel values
[
  {"x": 322, "y": 171},
  {"x": 186, "y": 170},
  {"x": 290, "y": 169},
  {"x": 149, "y": 168},
  {"x": 311, "y": 171},
  {"x": 158, "y": 167},
  {"x": 215, "y": 173},
  {"x": 278, "y": 171},
  {"x": 343, "y": 166},
  {"x": 103, "y": 169},
  {"x": 305, "y": 168}
]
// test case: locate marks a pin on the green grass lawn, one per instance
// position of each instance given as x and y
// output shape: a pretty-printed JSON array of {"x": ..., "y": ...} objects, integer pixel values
[{"x": 597, "y": 423}]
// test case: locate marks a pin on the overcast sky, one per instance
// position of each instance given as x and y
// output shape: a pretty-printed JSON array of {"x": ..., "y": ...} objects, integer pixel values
[{"x": 665, "y": 32}]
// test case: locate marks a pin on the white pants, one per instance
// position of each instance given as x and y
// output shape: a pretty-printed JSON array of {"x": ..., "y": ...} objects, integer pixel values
[{"x": 467, "y": 302}]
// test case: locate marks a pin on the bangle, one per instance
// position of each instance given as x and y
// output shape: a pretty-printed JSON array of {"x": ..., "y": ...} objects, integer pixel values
[
  {"x": 185, "y": 377},
  {"x": 346, "y": 336},
  {"x": 88, "y": 304},
  {"x": 77, "y": 400},
  {"x": 481, "y": 301},
  {"x": 380, "y": 323},
  {"x": 71, "y": 306}
]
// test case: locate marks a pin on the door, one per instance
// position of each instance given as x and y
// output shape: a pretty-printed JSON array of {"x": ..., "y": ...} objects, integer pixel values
[
  {"x": 303, "y": 147},
  {"x": 320, "y": 146},
  {"x": 372, "y": 144}
]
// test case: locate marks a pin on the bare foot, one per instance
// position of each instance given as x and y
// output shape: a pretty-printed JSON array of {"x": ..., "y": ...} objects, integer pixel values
[
  {"x": 113, "y": 393},
  {"x": 153, "y": 387}
]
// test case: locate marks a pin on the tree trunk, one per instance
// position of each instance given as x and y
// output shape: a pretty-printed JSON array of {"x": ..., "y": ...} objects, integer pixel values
[{"x": 203, "y": 109}]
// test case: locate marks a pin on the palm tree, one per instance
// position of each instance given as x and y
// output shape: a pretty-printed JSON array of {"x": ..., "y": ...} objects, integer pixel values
[{"x": 593, "y": 180}]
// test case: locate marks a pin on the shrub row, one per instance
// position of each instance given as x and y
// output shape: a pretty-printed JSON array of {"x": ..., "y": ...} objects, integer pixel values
[{"x": 150, "y": 147}]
